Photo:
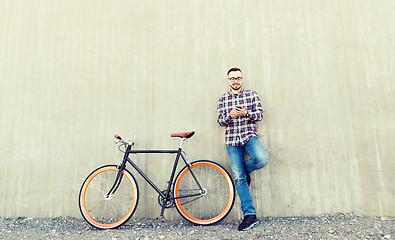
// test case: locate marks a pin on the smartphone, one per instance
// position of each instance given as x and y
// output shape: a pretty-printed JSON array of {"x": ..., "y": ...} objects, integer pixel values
[{"x": 239, "y": 108}]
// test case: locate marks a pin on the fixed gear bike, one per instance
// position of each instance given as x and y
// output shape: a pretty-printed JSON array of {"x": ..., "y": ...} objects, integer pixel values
[{"x": 203, "y": 192}]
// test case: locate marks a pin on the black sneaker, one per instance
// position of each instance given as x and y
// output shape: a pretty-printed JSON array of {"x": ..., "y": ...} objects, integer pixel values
[{"x": 249, "y": 221}]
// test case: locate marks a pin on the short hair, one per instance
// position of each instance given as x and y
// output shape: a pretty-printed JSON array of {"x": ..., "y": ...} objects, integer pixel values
[{"x": 234, "y": 70}]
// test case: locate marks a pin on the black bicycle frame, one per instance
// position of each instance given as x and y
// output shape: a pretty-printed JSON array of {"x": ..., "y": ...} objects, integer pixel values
[{"x": 167, "y": 197}]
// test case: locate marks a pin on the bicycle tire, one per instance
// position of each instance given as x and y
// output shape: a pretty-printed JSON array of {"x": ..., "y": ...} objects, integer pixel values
[
  {"x": 112, "y": 211},
  {"x": 211, "y": 207}
]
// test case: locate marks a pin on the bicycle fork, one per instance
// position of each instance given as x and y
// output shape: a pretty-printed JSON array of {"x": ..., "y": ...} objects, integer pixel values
[{"x": 118, "y": 179}]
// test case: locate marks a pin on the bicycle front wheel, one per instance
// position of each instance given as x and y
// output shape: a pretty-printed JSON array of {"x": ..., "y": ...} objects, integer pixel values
[
  {"x": 204, "y": 193},
  {"x": 104, "y": 209}
]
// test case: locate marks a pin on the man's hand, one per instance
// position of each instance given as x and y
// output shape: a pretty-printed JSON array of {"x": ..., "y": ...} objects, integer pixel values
[{"x": 238, "y": 112}]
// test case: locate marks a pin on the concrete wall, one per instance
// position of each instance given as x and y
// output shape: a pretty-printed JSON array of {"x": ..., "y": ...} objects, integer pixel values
[{"x": 74, "y": 73}]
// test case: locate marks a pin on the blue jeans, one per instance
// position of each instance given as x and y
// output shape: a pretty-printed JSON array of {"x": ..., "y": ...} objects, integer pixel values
[{"x": 241, "y": 168}]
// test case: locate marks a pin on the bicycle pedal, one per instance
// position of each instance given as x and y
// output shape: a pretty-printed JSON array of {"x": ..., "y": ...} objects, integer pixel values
[{"x": 161, "y": 218}]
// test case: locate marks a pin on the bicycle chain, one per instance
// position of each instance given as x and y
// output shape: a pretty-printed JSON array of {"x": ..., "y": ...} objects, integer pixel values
[{"x": 191, "y": 199}]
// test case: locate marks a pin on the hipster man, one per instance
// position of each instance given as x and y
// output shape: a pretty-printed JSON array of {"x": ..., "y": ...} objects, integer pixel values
[{"x": 238, "y": 111}]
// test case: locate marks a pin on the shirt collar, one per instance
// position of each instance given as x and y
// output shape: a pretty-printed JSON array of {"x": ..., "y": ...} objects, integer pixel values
[{"x": 240, "y": 93}]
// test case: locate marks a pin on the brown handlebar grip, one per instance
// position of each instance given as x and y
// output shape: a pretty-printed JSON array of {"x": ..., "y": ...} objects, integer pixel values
[{"x": 118, "y": 137}]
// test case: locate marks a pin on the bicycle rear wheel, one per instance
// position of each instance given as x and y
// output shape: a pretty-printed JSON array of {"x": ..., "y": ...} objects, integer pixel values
[
  {"x": 105, "y": 211},
  {"x": 210, "y": 205}
]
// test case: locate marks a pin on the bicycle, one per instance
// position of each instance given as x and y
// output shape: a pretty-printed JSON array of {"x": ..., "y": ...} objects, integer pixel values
[{"x": 203, "y": 192}]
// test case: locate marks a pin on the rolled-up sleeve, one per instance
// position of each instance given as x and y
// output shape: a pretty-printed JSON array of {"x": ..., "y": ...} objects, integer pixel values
[
  {"x": 223, "y": 118},
  {"x": 257, "y": 111}
]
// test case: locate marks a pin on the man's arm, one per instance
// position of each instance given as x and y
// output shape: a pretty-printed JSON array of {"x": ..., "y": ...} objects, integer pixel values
[
  {"x": 223, "y": 118},
  {"x": 257, "y": 111}
]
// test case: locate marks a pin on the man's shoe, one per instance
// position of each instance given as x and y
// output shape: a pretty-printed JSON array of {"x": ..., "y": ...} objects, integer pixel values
[{"x": 249, "y": 221}]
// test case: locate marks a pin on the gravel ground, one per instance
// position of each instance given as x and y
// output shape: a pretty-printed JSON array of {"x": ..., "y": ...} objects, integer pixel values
[{"x": 327, "y": 226}]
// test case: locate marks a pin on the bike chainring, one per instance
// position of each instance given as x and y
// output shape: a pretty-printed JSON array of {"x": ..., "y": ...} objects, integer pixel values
[{"x": 169, "y": 203}]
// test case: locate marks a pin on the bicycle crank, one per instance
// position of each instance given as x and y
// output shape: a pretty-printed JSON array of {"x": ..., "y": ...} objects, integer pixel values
[{"x": 162, "y": 201}]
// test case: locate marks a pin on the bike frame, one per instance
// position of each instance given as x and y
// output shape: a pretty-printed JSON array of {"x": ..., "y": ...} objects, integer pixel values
[{"x": 166, "y": 197}]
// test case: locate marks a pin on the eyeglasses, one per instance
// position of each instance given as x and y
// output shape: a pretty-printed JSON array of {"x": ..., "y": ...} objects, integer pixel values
[{"x": 238, "y": 79}]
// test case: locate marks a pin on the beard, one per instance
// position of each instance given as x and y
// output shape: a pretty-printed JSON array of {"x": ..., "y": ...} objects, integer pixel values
[{"x": 236, "y": 88}]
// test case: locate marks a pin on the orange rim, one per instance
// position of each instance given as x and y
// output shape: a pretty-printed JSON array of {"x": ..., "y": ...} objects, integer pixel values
[
  {"x": 82, "y": 199},
  {"x": 228, "y": 205}
]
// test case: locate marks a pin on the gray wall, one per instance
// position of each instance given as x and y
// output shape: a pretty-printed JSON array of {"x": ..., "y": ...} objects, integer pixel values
[{"x": 74, "y": 73}]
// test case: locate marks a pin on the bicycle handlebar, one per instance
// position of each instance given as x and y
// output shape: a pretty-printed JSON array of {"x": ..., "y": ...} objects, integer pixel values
[{"x": 123, "y": 140}]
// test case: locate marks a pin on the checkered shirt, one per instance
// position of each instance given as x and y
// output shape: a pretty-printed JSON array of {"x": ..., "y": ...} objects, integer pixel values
[{"x": 239, "y": 130}]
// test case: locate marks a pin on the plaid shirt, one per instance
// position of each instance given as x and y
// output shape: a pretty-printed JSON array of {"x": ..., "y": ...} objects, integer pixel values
[{"x": 239, "y": 130}]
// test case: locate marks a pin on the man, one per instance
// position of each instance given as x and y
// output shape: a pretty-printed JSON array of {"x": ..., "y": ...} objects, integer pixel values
[{"x": 238, "y": 110}]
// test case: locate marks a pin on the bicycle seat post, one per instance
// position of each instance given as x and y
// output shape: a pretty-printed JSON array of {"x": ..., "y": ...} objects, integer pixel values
[
  {"x": 183, "y": 136},
  {"x": 182, "y": 142}
]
